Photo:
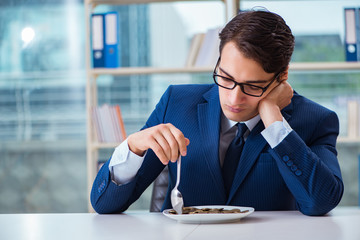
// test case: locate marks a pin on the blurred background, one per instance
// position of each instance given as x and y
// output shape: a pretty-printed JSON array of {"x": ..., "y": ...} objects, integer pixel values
[{"x": 43, "y": 80}]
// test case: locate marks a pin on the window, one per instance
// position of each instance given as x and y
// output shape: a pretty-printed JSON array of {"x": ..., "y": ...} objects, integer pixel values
[{"x": 42, "y": 86}]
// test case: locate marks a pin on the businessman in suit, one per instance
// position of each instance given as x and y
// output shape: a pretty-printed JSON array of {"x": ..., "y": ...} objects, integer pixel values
[{"x": 246, "y": 140}]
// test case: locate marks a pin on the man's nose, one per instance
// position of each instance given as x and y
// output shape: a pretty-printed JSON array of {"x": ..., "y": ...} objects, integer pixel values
[{"x": 237, "y": 95}]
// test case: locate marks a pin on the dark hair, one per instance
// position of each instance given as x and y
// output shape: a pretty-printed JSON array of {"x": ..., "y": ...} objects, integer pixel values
[{"x": 262, "y": 36}]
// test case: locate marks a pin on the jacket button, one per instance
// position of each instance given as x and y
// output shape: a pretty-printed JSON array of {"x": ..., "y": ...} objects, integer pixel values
[
  {"x": 289, "y": 163},
  {"x": 293, "y": 168},
  {"x": 102, "y": 186},
  {"x": 298, "y": 172},
  {"x": 285, "y": 158}
]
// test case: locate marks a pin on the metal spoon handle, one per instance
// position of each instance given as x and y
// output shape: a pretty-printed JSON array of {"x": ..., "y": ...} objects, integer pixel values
[{"x": 178, "y": 171}]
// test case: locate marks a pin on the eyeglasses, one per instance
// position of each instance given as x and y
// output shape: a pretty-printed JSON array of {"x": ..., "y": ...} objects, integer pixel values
[{"x": 248, "y": 89}]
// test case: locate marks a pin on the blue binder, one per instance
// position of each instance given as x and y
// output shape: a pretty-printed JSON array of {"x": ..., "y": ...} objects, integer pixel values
[
  {"x": 357, "y": 16},
  {"x": 97, "y": 37},
  {"x": 111, "y": 40},
  {"x": 351, "y": 38}
]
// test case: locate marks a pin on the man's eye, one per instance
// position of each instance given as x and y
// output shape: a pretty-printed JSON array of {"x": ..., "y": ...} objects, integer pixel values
[
  {"x": 253, "y": 87},
  {"x": 226, "y": 79}
]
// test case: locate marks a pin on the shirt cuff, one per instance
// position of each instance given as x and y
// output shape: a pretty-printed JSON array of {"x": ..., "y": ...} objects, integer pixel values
[
  {"x": 124, "y": 164},
  {"x": 276, "y": 132}
]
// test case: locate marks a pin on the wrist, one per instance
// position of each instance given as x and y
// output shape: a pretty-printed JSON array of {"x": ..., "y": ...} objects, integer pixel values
[
  {"x": 270, "y": 113},
  {"x": 133, "y": 148}
]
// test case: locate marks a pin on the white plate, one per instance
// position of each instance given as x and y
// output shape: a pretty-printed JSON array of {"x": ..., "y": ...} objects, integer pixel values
[{"x": 210, "y": 217}]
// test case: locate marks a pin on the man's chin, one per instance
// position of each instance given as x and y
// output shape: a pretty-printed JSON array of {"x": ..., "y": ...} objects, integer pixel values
[{"x": 236, "y": 117}]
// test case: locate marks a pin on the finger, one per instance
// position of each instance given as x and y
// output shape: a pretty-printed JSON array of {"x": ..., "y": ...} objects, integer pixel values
[
  {"x": 283, "y": 80},
  {"x": 183, "y": 150},
  {"x": 173, "y": 143},
  {"x": 162, "y": 140},
  {"x": 159, "y": 151},
  {"x": 181, "y": 141}
]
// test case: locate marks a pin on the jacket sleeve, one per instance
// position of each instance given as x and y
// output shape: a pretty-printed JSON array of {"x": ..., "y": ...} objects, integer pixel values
[
  {"x": 311, "y": 170},
  {"x": 108, "y": 197}
]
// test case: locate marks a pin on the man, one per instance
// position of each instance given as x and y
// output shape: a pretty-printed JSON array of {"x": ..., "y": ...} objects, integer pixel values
[{"x": 287, "y": 158}]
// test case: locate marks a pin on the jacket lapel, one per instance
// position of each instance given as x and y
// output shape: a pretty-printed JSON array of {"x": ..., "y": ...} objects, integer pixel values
[
  {"x": 209, "y": 125},
  {"x": 254, "y": 144}
]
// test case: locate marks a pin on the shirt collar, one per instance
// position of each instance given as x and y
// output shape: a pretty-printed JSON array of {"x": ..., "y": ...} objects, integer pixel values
[{"x": 227, "y": 124}]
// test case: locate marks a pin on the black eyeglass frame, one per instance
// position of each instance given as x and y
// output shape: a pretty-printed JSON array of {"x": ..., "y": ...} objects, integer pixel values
[{"x": 242, "y": 84}]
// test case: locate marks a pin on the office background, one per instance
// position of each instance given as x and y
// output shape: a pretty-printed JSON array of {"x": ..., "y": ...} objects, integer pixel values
[{"x": 43, "y": 77}]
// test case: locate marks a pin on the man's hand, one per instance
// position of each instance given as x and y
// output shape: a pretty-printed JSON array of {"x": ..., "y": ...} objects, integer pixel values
[
  {"x": 271, "y": 105},
  {"x": 164, "y": 139}
]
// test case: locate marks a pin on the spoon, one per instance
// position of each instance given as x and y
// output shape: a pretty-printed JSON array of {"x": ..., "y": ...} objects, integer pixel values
[{"x": 177, "y": 201}]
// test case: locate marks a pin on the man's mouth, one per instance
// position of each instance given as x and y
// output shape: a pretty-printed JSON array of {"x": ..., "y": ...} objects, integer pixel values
[{"x": 234, "y": 109}]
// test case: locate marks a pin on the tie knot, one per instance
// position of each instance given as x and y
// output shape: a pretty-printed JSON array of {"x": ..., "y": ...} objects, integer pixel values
[{"x": 241, "y": 129}]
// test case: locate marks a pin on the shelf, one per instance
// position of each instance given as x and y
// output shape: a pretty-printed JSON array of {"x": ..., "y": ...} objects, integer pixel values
[
  {"x": 101, "y": 145},
  {"x": 355, "y": 140},
  {"x": 93, "y": 146},
  {"x": 147, "y": 70},
  {"x": 119, "y": 2},
  {"x": 298, "y": 66},
  {"x": 324, "y": 66}
]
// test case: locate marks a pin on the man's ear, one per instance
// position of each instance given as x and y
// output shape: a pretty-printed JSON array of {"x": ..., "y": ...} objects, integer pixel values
[{"x": 284, "y": 75}]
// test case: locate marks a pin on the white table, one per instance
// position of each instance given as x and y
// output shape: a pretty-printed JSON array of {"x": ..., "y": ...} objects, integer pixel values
[{"x": 342, "y": 223}]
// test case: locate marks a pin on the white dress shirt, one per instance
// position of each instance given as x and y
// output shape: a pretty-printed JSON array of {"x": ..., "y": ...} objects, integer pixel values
[{"x": 124, "y": 164}]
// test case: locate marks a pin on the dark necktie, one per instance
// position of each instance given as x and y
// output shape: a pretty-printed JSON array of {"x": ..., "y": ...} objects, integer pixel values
[{"x": 232, "y": 157}]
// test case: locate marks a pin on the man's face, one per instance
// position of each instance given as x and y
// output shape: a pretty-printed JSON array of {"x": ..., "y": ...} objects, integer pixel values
[{"x": 235, "y": 104}]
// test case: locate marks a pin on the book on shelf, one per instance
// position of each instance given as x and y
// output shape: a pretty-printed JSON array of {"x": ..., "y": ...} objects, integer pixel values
[
  {"x": 121, "y": 122},
  {"x": 105, "y": 40},
  {"x": 97, "y": 40},
  {"x": 352, "y": 34},
  {"x": 108, "y": 123},
  {"x": 204, "y": 49},
  {"x": 353, "y": 127},
  {"x": 195, "y": 45},
  {"x": 209, "y": 49},
  {"x": 111, "y": 40}
]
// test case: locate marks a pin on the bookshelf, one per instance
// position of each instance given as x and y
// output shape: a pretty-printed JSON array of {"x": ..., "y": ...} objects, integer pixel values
[
  {"x": 92, "y": 144},
  {"x": 231, "y": 6}
]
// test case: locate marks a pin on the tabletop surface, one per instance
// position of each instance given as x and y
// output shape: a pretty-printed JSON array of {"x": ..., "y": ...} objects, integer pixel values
[{"x": 343, "y": 223}]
